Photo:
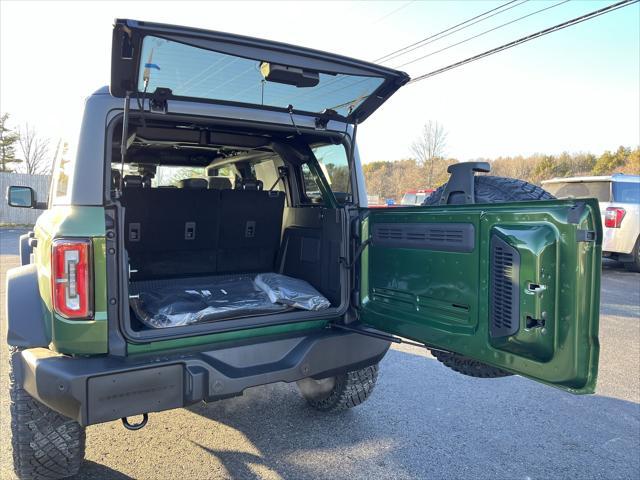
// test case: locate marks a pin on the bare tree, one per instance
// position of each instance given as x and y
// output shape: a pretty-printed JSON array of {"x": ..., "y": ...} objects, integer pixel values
[
  {"x": 430, "y": 146},
  {"x": 35, "y": 151}
]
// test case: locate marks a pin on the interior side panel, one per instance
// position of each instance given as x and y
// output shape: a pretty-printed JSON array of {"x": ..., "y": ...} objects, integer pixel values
[{"x": 310, "y": 250}]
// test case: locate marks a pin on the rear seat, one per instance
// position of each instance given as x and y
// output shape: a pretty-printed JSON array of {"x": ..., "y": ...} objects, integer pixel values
[
  {"x": 171, "y": 231},
  {"x": 194, "y": 230},
  {"x": 250, "y": 229}
]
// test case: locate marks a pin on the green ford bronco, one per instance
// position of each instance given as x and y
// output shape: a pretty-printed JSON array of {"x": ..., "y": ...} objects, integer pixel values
[{"x": 212, "y": 234}]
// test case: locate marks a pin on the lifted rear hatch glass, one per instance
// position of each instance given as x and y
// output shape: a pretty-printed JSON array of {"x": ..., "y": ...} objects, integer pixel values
[{"x": 204, "y": 65}]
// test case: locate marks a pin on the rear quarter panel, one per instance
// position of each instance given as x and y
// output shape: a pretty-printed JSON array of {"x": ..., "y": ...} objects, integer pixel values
[{"x": 73, "y": 336}]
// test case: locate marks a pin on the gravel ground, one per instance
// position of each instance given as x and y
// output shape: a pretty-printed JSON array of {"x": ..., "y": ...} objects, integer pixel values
[{"x": 423, "y": 421}]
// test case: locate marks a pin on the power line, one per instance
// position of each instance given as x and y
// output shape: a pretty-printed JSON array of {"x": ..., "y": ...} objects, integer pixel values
[
  {"x": 546, "y": 31},
  {"x": 393, "y": 12},
  {"x": 418, "y": 44},
  {"x": 481, "y": 34}
]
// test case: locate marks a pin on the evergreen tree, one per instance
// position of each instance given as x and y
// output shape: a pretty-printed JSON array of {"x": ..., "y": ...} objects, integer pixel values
[{"x": 8, "y": 140}]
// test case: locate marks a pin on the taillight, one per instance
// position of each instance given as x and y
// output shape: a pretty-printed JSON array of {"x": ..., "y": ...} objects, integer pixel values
[
  {"x": 71, "y": 278},
  {"x": 613, "y": 217}
]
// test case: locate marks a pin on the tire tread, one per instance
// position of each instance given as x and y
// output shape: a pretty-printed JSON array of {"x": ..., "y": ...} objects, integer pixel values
[
  {"x": 45, "y": 444},
  {"x": 351, "y": 389}
]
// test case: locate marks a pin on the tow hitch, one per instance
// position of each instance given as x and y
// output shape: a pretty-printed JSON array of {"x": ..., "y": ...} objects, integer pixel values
[{"x": 135, "y": 426}]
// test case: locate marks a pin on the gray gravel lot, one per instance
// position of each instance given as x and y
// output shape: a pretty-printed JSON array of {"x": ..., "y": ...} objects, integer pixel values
[{"x": 423, "y": 421}]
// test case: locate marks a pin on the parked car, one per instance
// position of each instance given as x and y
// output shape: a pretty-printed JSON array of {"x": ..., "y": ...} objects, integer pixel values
[
  {"x": 619, "y": 197},
  {"x": 137, "y": 295},
  {"x": 415, "y": 197}
]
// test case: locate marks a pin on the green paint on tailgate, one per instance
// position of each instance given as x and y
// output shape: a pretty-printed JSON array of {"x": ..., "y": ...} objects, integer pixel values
[
  {"x": 165, "y": 345},
  {"x": 442, "y": 298}
]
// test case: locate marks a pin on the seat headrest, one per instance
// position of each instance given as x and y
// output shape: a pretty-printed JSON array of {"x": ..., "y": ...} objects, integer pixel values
[
  {"x": 219, "y": 183},
  {"x": 249, "y": 184},
  {"x": 193, "y": 183},
  {"x": 132, "y": 181}
]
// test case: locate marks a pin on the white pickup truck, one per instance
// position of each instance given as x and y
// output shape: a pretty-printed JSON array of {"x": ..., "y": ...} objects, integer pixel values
[{"x": 619, "y": 197}]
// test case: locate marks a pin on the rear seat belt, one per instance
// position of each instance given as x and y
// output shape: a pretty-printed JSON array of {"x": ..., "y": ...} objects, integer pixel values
[{"x": 283, "y": 172}]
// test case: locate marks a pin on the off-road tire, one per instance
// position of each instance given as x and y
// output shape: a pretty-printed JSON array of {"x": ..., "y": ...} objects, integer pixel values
[
  {"x": 634, "y": 264},
  {"x": 488, "y": 189},
  {"x": 46, "y": 445},
  {"x": 468, "y": 366},
  {"x": 349, "y": 390}
]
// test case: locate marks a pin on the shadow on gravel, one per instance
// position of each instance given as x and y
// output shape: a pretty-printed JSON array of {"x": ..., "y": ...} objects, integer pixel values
[{"x": 425, "y": 421}]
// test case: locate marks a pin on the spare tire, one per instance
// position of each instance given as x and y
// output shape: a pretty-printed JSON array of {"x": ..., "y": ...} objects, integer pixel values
[{"x": 488, "y": 189}]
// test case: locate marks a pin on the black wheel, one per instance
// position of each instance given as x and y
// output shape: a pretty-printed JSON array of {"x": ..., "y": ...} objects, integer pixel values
[
  {"x": 488, "y": 189},
  {"x": 634, "y": 264},
  {"x": 46, "y": 445},
  {"x": 341, "y": 392}
]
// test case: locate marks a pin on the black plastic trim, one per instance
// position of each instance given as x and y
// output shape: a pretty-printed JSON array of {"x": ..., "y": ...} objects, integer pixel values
[
  {"x": 25, "y": 312},
  {"x": 25, "y": 248},
  {"x": 445, "y": 237},
  {"x": 504, "y": 300},
  {"x": 100, "y": 389},
  {"x": 460, "y": 189}
]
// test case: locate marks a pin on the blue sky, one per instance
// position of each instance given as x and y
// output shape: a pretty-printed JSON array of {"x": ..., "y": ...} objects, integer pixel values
[{"x": 573, "y": 90}]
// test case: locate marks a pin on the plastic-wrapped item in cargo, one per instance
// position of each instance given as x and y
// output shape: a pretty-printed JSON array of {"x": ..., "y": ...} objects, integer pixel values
[
  {"x": 178, "y": 302},
  {"x": 291, "y": 291}
]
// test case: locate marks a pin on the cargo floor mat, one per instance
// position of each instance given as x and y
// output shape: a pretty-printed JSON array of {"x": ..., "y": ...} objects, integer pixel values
[{"x": 185, "y": 301}]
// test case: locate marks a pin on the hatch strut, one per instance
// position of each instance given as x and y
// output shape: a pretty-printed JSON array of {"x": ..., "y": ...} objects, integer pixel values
[
  {"x": 372, "y": 332},
  {"x": 125, "y": 137}
]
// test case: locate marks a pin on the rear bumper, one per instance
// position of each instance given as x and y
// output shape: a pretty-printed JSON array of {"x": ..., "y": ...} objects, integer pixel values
[
  {"x": 96, "y": 390},
  {"x": 619, "y": 240}
]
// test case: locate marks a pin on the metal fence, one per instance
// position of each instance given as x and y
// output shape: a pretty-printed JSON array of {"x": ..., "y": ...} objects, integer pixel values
[{"x": 23, "y": 216}]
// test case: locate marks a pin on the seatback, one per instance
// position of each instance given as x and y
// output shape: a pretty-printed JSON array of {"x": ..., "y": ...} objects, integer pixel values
[
  {"x": 219, "y": 183},
  {"x": 171, "y": 231},
  {"x": 250, "y": 229}
]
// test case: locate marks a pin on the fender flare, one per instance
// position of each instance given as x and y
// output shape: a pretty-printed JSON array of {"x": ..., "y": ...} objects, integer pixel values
[
  {"x": 25, "y": 315},
  {"x": 25, "y": 249}
]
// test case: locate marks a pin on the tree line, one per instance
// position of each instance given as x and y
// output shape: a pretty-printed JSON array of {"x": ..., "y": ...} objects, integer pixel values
[
  {"x": 24, "y": 150},
  {"x": 427, "y": 166}
]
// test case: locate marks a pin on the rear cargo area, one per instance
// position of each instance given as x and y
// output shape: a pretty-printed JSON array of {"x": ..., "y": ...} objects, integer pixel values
[{"x": 195, "y": 252}]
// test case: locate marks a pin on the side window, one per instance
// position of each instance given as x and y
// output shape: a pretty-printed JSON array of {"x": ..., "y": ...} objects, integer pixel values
[
  {"x": 267, "y": 173},
  {"x": 335, "y": 166},
  {"x": 311, "y": 189},
  {"x": 62, "y": 170}
]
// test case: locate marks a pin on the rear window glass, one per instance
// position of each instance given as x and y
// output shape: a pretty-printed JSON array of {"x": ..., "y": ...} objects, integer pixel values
[
  {"x": 195, "y": 72},
  {"x": 624, "y": 192},
  {"x": 167, "y": 176},
  {"x": 599, "y": 190}
]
